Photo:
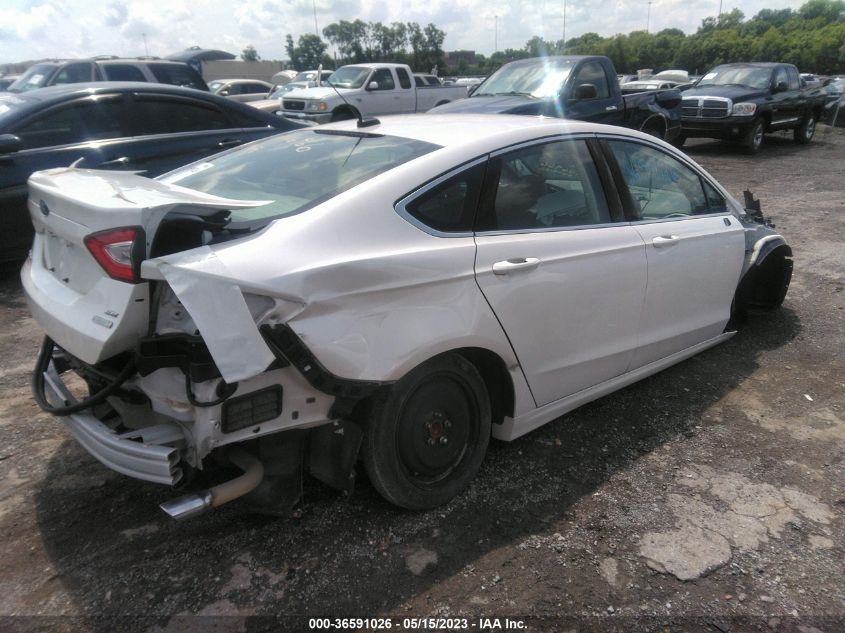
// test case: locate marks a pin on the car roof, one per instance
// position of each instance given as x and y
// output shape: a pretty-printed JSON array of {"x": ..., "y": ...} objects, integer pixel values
[
  {"x": 26, "y": 102},
  {"x": 240, "y": 79},
  {"x": 480, "y": 132}
]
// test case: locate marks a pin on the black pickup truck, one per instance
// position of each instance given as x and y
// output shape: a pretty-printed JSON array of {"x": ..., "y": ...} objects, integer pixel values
[
  {"x": 743, "y": 102},
  {"x": 580, "y": 87}
]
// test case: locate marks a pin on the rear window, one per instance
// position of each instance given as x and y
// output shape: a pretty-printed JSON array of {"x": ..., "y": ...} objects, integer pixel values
[{"x": 298, "y": 170}]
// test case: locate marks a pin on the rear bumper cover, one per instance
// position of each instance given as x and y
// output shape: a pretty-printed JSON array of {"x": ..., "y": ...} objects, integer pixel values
[{"x": 151, "y": 453}]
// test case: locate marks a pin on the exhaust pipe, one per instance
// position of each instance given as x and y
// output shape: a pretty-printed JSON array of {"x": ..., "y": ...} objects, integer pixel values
[{"x": 198, "y": 503}]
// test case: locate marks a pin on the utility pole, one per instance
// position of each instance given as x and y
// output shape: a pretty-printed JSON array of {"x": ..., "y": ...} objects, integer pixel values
[
  {"x": 719, "y": 19},
  {"x": 648, "y": 18},
  {"x": 316, "y": 29},
  {"x": 496, "y": 34},
  {"x": 146, "y": 50},
  {"x": 564, "y": 27}
]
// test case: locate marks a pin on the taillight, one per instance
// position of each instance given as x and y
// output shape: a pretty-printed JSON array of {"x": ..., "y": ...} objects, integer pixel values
[{"x": 119, "y": 252}]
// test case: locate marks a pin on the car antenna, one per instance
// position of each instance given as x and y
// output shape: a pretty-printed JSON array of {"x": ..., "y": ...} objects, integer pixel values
[{"x": 362, "y": 122}]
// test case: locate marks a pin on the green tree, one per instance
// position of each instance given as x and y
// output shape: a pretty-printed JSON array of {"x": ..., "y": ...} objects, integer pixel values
[
  {"x": 308, "y": 53},
  {"x": 249, "y": 54}
]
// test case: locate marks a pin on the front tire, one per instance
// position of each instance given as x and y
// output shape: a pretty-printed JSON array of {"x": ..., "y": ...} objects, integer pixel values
[
  {"x": 753, "y": 139},
  {"x": 803, "y": 134},
  {"x": 426, "y": 437}
]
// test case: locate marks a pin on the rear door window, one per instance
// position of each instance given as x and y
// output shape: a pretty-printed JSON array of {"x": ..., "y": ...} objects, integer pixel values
[
  {"x": 552, "y": 185},
  {"x": 123, "y": 72},
  {"x": 404, "y": 79},
  {"x": 75, "y": 123},
  {"x": 166, "y": 115}
]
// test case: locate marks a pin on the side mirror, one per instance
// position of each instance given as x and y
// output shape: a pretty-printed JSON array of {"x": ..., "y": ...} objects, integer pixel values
[
  {"x": 373, "y": 85},
  {"x": 9, "y": 143},
  {"x": 781, "y": 86},
  {"x": 585, "y": 91},
  {"x": 223, "y": 93}
]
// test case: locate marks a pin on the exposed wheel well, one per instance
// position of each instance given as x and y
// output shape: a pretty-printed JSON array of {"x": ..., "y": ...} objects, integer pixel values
[
  {"x": 764, "y": 285},
  {"x": 496, "y": 378},
  {"x": 440, "y": 103}
]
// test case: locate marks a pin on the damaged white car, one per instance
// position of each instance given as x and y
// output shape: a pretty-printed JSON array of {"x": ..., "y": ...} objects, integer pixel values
[{"x": 393, "y": 292}]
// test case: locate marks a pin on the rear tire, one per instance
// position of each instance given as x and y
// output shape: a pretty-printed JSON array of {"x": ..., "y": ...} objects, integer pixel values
[
  {"x": 753, "y": 138},
  {"x": 426, "y": 437},
  {"x": 803, "y": 134}
]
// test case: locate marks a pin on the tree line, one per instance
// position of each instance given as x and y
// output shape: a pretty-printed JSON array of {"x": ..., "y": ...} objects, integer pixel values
[
  {"x": 811, "y": 37},
  {"x": 358, "y": 41}
]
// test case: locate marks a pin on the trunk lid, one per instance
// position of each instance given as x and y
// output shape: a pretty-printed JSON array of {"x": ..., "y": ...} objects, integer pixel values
[{"x": 90, "y": 314}]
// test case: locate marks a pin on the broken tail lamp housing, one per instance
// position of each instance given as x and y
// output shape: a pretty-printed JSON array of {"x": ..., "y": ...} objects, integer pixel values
[
  {"x": 119, "y": 252},
  {"x": 251, "y": 409}
]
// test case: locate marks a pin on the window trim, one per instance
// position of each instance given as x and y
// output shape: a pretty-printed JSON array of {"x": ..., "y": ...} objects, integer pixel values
[
  {"x": 625, "y": 193},
  {"x": 400, "y": 206}
]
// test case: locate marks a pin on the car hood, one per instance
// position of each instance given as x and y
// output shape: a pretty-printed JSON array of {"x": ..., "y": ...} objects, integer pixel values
[
  {"x": 310, "y": 93},
  {"x": 496, "y": 105},
  {"x": 734, "y": 93}
]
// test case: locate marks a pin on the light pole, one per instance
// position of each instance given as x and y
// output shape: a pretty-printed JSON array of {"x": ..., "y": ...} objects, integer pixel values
[
  {"x": 648, "y": 18},
  {"x": 316, "y": 29},
  {"x": 496, "y": 33},
  {"x": 719, "y": 19},
  {"x": 146, "y": 50},
  {"x": 564, "y": 27}
]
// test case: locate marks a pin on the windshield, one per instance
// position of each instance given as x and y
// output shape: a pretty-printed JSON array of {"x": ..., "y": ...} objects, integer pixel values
[
  {"x": 753, "y": 77},
  {"x": 539, "y": 79},
  {"x": 349, "y": 77},
  {"x": 297, "y": 170},
  {"x": 35, "y": 77}
]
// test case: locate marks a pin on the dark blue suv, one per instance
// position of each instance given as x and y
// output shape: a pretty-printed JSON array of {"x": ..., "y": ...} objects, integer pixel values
[{"x": 146, "y": 127}]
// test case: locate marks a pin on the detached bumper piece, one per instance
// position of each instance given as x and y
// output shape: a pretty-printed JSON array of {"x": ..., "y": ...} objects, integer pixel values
[{"x": 151, "y": 453}]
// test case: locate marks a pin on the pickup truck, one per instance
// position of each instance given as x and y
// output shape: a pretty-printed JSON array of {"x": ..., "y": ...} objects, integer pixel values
[
  {"x": 367, "y": 89},
  {"x": 581, "y": 87},
  {"x": 745, "y": 101}
]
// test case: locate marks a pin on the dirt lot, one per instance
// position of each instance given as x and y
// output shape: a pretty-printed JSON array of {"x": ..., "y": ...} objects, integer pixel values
[{"x": 710, "y": 497}]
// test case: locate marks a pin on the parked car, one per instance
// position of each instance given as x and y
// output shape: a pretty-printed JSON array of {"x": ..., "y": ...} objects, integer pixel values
[
  {"x": 744, "y": 101},
  {"x": 109, "y": 125},
  {"x": 243, "y": 90},
  {"x": 647, "y": 84},
  {"x": 6, "y": 81},
  {"x": 407, "y": 290},
  {"x": 572, "y": 87},
  {"x": 364, "y": 90},
  {"x": 305, "y": 79},
  {"x": 71, "y": 71},
  {"x": 834, "y": 109}
]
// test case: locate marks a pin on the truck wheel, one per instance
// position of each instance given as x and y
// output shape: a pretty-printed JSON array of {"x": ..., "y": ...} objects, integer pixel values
[
  {"x": 804, "y": 133},
  {"x": 425, "y": 438},
  {"x": 753, "y": 139}
]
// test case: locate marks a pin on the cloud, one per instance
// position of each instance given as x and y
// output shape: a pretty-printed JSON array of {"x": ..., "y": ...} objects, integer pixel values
[{"x": 116, "y": 14}]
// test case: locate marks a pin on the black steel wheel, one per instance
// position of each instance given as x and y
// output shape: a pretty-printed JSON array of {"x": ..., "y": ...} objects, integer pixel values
[{"x": 426, "y": 437}]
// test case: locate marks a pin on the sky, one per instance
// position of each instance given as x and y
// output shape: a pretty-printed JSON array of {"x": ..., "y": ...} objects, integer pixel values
[{"x": 35, "y": 29}]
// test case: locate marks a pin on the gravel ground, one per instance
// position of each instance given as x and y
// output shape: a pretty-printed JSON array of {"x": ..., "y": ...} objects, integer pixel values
[{"x": 710, "y": 497}]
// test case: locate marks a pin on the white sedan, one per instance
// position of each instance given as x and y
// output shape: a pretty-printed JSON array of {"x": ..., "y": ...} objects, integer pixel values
[{"x": 396, "y": 291}]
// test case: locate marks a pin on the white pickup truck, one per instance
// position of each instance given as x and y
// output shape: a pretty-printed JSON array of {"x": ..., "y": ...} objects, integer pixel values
[{"x": 369, "y": 90}]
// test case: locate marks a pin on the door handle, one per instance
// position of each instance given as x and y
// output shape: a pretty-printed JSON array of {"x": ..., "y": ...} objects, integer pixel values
[
  {"x": 662, "y": 241},
  {"x": 515, "y": 263},
  {"x": 231, "y": 142},
  {"x": 610, "y": 109},
  {"x": 115, "y": 162}
]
